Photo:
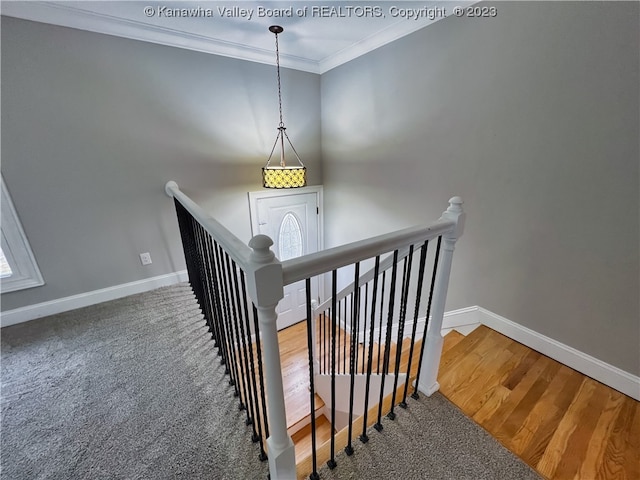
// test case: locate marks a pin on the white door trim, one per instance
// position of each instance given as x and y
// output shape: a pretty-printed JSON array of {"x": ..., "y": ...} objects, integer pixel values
[
  {"x": 255, "y": 196},
  {"x": 268, "y": 193}
]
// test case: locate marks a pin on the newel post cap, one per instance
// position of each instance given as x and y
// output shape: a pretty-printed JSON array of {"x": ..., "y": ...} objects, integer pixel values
[
  {"x": 169, "y": 187},
  {"x": 455, "y": 213},
  {"x": 264, "y": 273},
  {"x": 455, "y": 204},
  {"x": 260, "y": 244}
]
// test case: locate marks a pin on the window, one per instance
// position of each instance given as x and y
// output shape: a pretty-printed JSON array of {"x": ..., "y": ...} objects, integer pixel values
[
  {"x": 18, "y": 268},
  {"x": 289, "y": 238}
]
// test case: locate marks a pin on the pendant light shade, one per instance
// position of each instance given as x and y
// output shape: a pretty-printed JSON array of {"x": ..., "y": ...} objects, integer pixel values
[{"x": 282, "y": 175}]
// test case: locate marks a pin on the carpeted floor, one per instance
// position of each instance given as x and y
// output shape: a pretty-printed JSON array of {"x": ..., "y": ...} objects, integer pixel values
[{"x": 133, "y": 389}]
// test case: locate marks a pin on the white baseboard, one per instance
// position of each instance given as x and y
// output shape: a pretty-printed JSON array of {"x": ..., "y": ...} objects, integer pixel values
[
  {"x": 463, "y": 320},
  {"x": 605, "y": 373},
  {"x": 39, "y": 310}
]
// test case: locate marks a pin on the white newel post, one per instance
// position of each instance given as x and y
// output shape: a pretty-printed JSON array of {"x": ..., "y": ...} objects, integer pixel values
[
  {"x": 264, "y": 278},
  {"x": 433, "y": 348}
]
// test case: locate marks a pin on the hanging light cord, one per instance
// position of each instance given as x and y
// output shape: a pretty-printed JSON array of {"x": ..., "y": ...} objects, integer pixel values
[
  {"x": 279, "y": 88},
  {"x": 282, "y": 129}
]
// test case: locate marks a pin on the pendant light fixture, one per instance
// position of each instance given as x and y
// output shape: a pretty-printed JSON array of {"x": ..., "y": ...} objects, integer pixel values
[{"x": 282, "y": 175}]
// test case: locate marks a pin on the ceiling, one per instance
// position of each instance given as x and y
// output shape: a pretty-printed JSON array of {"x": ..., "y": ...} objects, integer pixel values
[{"x": 318, "y": 35}]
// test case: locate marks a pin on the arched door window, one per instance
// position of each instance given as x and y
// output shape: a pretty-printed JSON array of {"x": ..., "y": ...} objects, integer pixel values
[{"x": 290, "y": 238}]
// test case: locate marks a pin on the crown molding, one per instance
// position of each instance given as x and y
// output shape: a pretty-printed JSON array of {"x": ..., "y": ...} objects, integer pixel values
[
  {"x": 378, "y": 39},
  {"x": 67, "y": 15}
]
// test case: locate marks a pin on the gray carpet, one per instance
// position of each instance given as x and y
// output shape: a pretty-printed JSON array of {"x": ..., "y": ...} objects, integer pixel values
[{"x": 133, "y": 389}]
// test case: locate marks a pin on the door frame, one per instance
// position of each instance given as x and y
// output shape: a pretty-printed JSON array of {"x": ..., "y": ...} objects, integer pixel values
[
  {"x": 268, "y": 193},
  {"x": 255, "y": 196}
]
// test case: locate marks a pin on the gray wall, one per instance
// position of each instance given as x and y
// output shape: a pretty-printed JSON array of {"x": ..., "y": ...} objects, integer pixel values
[
  {"x": 92, "y": 128},
  {"x": 533, "y": 118}
]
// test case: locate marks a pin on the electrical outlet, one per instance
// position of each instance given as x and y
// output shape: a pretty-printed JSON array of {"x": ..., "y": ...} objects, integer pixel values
[{"x": 145, "y": 258}]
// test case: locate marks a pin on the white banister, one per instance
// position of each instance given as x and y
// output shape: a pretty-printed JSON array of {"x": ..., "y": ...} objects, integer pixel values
[
  {"x": 231, "y": 244},
  {"x": 264, "y": 283},
  {"x": 364, "y": 278},
  {"x": 317, "y": 263},
  {"x": 266, "y": 277},
  {"x": 428, "y": 383}
]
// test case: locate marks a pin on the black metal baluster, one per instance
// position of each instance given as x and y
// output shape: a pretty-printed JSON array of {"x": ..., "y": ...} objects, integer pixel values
[
  {"x": 201, "y": 281},
  {"x": 426, "y": 322},
  {"x": 213, "y": 277},
  {"x": 204, "y": 262},
  {"x": 325, "y": 349},
  {"x": 257, "y": 422},
  {"x": 404, "y": 298},
  {"x": 202, "y": 286},
  {"x": 183, "y": 221},
  {"x": 261, "y": 373},
  {"x": 332, "y": 462},
  {"x": 211, "y": 294},
  {"x": 387, "y": 342},
  {"x": 423, "y": 258},
  {"x": 328, "y": 342},
  {"x": 327, "y": 360},
  {"x": 213, "y": 290},
  {"x": 364, "y": 328},
  {"x": 355, "y": 329},
  {"x": 312, "y": 391},
  {"x": 224, "y": 312},
  {"x": 352, "y": 354},
  {"x": 319, "y": 340},
  {"x": 217, "y": 310},
  {"x": 339, "y": 317},
  {"x": 223, "y": 350},
  {"x": 232, "y": 365},
  {"x": 185, "y": 225},
  {"x": 344, "y": 339},
  {"x": 241, "y": 344},
  {"x": 363, "y": 437},
  {"x": 384, "y": 275}
]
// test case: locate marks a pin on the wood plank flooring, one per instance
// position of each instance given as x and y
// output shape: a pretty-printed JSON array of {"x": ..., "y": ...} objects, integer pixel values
[
  {"x": 562, "y": 423},
  {"x": 295, "y": 367}
]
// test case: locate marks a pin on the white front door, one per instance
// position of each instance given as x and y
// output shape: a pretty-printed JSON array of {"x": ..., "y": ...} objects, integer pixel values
[{"x": 292, "y": 220}]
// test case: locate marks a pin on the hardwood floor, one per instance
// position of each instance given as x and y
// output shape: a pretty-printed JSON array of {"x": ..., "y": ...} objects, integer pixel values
[
  {"x": 562, "y": 423},
  {"x": 294, "y": 358}
]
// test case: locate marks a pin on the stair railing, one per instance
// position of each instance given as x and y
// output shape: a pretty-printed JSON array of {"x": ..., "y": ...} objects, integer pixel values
[
  {"x": 343, "y": 358},
  {"x": 225, "y": 275}
]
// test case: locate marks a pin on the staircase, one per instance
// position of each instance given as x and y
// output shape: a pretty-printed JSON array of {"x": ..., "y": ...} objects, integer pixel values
[
  {"x": 238, "y": 287},
  {"x": 294, "y": 359}
]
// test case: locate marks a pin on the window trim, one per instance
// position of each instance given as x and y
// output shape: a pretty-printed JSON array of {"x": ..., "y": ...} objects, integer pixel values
[{"x": 15, "y": 246}]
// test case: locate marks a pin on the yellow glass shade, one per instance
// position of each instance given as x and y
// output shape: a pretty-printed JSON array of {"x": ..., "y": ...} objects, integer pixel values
[{"x": 284, "y": 177}]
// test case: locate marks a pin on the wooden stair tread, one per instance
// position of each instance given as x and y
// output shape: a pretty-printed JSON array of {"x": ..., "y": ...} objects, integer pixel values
[
  {"x": 303, "y": 441},
  {"x": 304, "y": 465},
  {"x": 297, "y": 410}
]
